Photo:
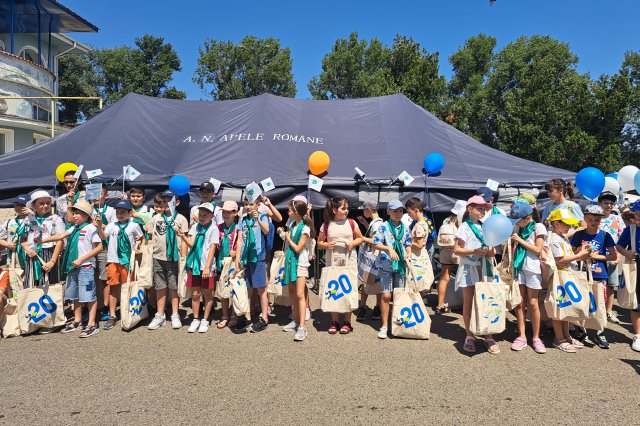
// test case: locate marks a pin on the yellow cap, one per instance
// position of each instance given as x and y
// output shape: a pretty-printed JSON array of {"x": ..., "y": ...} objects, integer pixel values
[
  {"x": 563, "y": 215},
  {"x": 529, "y": 198}
]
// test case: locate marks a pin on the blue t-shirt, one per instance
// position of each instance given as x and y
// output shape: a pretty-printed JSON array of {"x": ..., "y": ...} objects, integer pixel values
[
  {"x": 625, "y": 238},
  {"x": 259, "y": 236},
  {"x": 600, "y": 243}
]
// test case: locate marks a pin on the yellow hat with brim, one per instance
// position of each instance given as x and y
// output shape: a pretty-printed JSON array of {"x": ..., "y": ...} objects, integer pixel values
[{"x": 563, "y": 215}]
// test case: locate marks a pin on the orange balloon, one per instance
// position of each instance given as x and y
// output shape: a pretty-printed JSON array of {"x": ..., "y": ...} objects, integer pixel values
[{"x": 319, "y": 162}]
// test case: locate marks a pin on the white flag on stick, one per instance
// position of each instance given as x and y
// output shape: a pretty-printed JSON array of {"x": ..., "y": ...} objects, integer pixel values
[
  {"x": 78, "y": 172},
  {"x": 172, "y": 206},
  {"x": 253, "y": 192},
  {"x": 93, "y": 192},
  {"x": 132, "y": 173},
  {"x": 406, "y": 178},
  {"x": 93, "y": 173},
  {"x": 315, "y": 183},
  {"x": 267, "y": 184},
  {"x": 216, "y": 184}
]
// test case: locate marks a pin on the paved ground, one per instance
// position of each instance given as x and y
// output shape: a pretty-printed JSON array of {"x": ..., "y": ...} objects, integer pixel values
[{"x": 171, "y": 377}]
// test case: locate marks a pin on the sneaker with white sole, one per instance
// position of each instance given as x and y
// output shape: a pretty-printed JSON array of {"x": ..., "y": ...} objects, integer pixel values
[
  {"x": 308, "y": 316},
  {"x": 195, "y": 324},
  {"x": 204, "y": 326},
  {"x": 301, "y": 334},
  {"x": 157, "y": 322},
  {"x": 635, "y": 345},
  {"x": 292, "y": 326},
  {"x": 382, "y": 334},
  {"x": 176, "y": 323},
  {"x": 612, "y": 317}
]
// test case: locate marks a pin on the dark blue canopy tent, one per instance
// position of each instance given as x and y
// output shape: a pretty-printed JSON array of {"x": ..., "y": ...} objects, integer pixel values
[{"x": 240, "y": 141}]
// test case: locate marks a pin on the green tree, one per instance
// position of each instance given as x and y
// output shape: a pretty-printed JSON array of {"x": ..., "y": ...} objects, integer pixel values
[
  {"x": 630, "y": 71},
  {"x": 358, "y": 68},
  {"x": 254, "y": 66},
  {"x": 77, "y": 77}
]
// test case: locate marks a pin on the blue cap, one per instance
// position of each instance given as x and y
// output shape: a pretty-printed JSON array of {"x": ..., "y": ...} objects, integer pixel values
[
  {"x": 485, "y": 192},
  {"x": 22, "y": 199},
  {"x": 519, "y": 210},
  {"x": 168, "y": 193},
  {"x": 395, "y": 204},
  {"x": 124, "y": 204},
  {"x": 635, "y": 206}
]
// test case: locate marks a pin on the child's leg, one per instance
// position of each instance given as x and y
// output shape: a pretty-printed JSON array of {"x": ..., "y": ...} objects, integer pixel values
[
  {"x": 306, "y": 298},
  {"x": 535, "y": 311},
  {"x": 610, "y": 293},
  {"x": 565, "y": 330},
  {"x": 264, "y": 303},
  {"x": 363, "y": 297},
  {"x": 195, "y": 302},
  {"x": 207, "y": 295},
  {"x": 93, "y": 309},
  {"x": 161, "y": 294},
  {"x": 225, "y": 309},
  {"x": 295, "y": 305},
  {"x": 175, "y": 301},
  {"x": 378, "y": 299},
  {"x": 247, "y": 315},
  {"x": 467, "y": 294},
  {"x": 521, "y": 313},
  {"x": 558, "y": 329},
  {"x": 635, "y": 321},
  {"x": 300, "y": 285},
  {"x": 443, "y": 283},
  {"x": 386, "y": 281},
  {"x": 77, "y": 311},
  {"x": 114, "y": 293}
]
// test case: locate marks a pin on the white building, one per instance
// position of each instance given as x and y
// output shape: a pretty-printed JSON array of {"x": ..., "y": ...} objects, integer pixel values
[{"x": 32, "y": 39}]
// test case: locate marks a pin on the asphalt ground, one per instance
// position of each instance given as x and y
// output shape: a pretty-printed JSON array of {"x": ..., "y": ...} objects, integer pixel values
[{"x": 171, "y": 377}]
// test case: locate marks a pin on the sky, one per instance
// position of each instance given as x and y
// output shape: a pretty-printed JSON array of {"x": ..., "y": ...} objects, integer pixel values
[{"x": 598, "y": 32}]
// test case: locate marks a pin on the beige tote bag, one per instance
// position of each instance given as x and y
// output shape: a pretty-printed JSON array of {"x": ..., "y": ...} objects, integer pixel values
[
  {"x": 410, "y": 318},
  {"x": 133, "y": 302},
  {"x": 627, "y": 296},
  {"x": 338, "y": 288},
  {"x": 488, "y": 310}
]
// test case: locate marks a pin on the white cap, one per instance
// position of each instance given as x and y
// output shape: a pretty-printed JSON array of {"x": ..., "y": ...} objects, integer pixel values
[
  {"x": 460, "y": 204},
  {"x": 206, "y": 206},
  {"x": 41, "y": 193}
]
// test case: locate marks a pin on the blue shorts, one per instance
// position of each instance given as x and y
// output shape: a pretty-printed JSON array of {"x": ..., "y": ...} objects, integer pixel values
[
  {"x": 255, "y": 274},
  {"x": 81, "y": 285},
  {"x": 390, "y": 280},
  {"x": 613, "y": 280}
]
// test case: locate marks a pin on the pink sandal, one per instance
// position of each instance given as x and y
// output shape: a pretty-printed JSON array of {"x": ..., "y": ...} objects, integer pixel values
[{"x": 346, "y": 328}]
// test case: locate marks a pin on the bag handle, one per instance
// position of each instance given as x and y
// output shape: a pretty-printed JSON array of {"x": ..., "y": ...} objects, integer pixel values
[
  {"x": 632, "y": 232},
  {"x": 413, "y": 275}
]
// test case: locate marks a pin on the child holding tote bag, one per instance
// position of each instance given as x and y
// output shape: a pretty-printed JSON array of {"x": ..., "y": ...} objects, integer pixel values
[
  {"x": 472, "y": 251},
  {"x": 339, "y": 236}
]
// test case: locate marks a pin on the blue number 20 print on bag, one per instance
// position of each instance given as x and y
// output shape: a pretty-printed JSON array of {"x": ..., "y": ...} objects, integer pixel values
[
  {"x": 408, "y": 315},
  {"x": 137, "y": 302},
  {"x": 46, "y": 304},
  {"x": 337, "y": 289},
  {"x": 571, "y": 290}
]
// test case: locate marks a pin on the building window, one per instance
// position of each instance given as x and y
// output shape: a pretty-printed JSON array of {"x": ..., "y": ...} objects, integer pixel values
[
  {"x": 40, "y": 113},
  {"x": 37, "y": 138},
  {"x": 6, "y": 141},
  {"x": 29, "y": 53},
  {"x": 2, "y": 48}
]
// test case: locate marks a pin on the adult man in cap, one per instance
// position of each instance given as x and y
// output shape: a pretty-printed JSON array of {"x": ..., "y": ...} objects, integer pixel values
[
  {"x": 614, "y": 226},
  {"x": 207, "y": 192}
]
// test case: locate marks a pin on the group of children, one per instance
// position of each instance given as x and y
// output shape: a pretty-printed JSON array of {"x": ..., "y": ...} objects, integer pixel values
[{"x": 92, "y": 245}]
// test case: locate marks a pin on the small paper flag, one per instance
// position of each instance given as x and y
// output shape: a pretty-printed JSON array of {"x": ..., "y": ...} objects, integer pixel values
[
  {"x": 133, "y": 173},
  {"x": 172, "y": 206},
  {"x": 78, "y": 172},
  {"x": 492, "y": 185},
  {"x": 92, "y": 192},
  {"x": 359, "y": 172},
  {"x": 216, "y": 184},
  {"x": 315, "y": 183},
  {"x": 267, "y": 184},
  {"x": 406, "y": 178},
  {"x": 253, "y": 192},
  {"x": 93, "y": 173}
]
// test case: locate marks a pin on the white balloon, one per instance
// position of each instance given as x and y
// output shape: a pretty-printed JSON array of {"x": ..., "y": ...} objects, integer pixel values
[
  {"x": 625, "y": 177},
  {"x": 611, "y": 185}
]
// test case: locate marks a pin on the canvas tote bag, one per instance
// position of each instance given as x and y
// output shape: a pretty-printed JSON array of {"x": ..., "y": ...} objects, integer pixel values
[
  {"x": 568, "y": 297},
  {"x": 488, "y": 310},
  {"x": 239, "y": 293},
  {"x": 410, "y": 318},
  {"x": 133, "y": 301},
  {"x": 223, "y": 286},
  {"x": 627, "y": 297},
  {"x": 276, "y": 274},
  {"x": 16, "y": 274},
  {"x": 513, "y": 298},
  {"x": 144, "y": 268},
  {"x": 338, "y": 287},
  {"x": 423, "y": 270},
  {"x": 40, "y": 307}
]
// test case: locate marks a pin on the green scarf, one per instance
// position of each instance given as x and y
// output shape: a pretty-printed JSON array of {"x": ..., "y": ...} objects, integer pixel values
[
  {"x": 521, "y": 252},
  {"x": 398, "y": 265},
  {"x": 141, "y": 222},
  {"x": 105, "y": 222},
  {"x": 124, "y": 245},
  {"x": 249, "y": 251},
  {"x": 478, "y": 235},
  {"x": 291, "y": 257},
  {"x": 494, "y": 210},
  {"x": 71, "y": 251},
  {"x": 225, "y": 245},
  {"x": 194, "y": 256},
  {"x": 172, "y": 244},
  {"x": 37, "y": 265},
  {"x": 20, "y": 232}
]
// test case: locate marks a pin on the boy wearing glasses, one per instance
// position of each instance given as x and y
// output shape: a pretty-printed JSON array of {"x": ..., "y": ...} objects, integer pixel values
[
  {"x": 613, "y": 225},
  {"x": 206, "y": 192},
  {"x": 72, "y": 193}
]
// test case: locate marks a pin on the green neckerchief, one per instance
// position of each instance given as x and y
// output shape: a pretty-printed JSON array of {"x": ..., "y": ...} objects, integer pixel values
[
  {"x": 20, "y": 232},
  {"x": 76, "y": 196},
  {"x": 194, "y": 256},
  {"x": 71, "y": 251},
  {"x": 291, "y": 257},
  {"x": 103, "y": 216},
  {"x": 249, "y": 251},
  {"x": 124, "y": 245},
  {"x": 494, "y": 210},
  {"x": 398, "y": 265},
  {"x": 478, "y": 235},
  {"x": 140, "y": 221},
  {"x": 170, "y": 235},
  {"x": 37, "y": 265},
  {"x": 521, "y": 252},
  {"x": 225, "y": 245}
]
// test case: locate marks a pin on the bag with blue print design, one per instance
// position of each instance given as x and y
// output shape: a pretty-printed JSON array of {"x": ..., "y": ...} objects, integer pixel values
[
  {"x": 40, "y": 307},
  {"x": 568, "y": 296},
  {"x": 488, "y": 311},
  {"x": 339, "y": 287},
  {"x": 410, "y": 318},
  {"x": 133, "y": 300},
  {"x": 627, "y": 296}
]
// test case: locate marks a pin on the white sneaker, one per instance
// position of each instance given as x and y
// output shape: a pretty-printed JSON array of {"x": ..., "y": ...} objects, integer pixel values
[
  {"x": 636, "y": 343},
  {"x": 292, "y": 326},
  {"x": 382, "y": 334},
  {"x": 192, "y": 328},
  {"x": 308, "y": 317},
  {"x": 175, "y": 321},
  {"x": 157, "y": 322},
  {"x": 301, "y": 334},
  {"x": 204, "y": 326}
]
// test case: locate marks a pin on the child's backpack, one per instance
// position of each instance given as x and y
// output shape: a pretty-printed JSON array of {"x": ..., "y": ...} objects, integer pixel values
[
  {"x": 270, "y": 235},
  {"x": 447, "y": 235},
  {"x": 325, "y": 228}
]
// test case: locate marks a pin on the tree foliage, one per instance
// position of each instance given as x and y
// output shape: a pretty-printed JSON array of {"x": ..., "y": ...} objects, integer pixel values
[{"x": 254, "y": 66}]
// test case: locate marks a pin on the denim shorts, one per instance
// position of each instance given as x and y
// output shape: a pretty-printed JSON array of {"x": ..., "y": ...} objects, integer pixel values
[
  {"x": 390, "y": 280},
  {"x": 613, "y": 280},
  {"x": 81, "y": 285},
  {"x": 255, "y": 274}
]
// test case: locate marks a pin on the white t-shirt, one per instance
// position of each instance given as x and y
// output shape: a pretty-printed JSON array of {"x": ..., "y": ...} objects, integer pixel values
[
  {"x": 133, "y": 230},
  {"x": 470, "y": 241},
  {"x": 532, "y": 261},
  {"x": 52, "y": 225},
  {"x": 109, "y": 213},
  {"x": 88, "y": 237},
  {"x": 212, "y": 236},
  {"x": 217, "y": 215},
  {"x": 560, "y": 247},
  {"x": 303, "y": 256}
]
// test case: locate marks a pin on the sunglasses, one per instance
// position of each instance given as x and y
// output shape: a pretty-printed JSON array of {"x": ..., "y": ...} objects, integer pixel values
[{"x": 69, "y": 182}]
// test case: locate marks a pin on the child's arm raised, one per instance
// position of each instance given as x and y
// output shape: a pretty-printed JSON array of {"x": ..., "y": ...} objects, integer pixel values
[
  {"x": 562, "y": 260},
  {"x": 186, "y": 239},
  {"x": 264, "y": 226},
  {"x": 275, "y": 214},
  {"x": 55, "y": 237}
]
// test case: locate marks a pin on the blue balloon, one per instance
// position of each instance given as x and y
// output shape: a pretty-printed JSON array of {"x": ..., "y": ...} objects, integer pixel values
[
  {"x": 612, "y": 175},
  {"x": 180, "y": 185},
  {"x": 433, "y": 163},
  {"x": 496, "y": 230},
  {"x": 590, "y": 182}
]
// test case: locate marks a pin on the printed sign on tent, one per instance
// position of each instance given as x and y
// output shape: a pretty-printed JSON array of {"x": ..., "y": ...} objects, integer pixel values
[
  {"x": 216, "y": 184},
  {"x": 78, "y": 172},
  {"x": 253, "y": 192},
  {"x": 93, "y": 173},
  {"x": 92, "y": 191},
  {"x": 315, "y": 183},
  {"x": 267, "y": 184},
  {"x": 406, "y": 178}
]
